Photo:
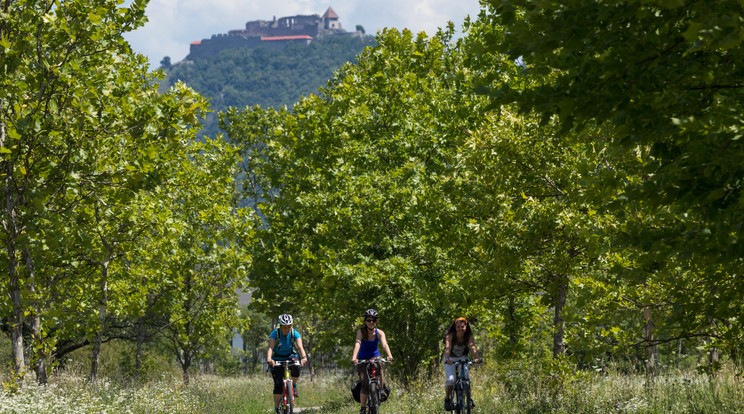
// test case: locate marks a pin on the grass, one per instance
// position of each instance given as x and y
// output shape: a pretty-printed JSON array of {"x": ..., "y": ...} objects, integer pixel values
[{"x": 494, "y": 390}]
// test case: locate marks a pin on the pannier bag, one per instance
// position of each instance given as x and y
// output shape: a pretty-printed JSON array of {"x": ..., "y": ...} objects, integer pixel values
[{"x": 356, "y": 389}]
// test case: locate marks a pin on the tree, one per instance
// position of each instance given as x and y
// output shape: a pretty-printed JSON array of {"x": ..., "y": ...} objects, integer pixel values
[
  {"x": 85, "y": 139},
  {"x": 57, "y": 57},
  {"x": 207, "y": 264},
  {"x": 662, "y": 78},
  {"x": 355, "y": 184}
]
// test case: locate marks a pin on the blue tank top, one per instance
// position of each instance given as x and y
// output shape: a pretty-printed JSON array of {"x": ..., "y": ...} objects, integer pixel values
[{"x": 368, "y": 349}]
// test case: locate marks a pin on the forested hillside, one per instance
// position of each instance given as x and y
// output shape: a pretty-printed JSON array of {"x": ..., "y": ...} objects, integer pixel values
[{"x": 265, "y": 76}]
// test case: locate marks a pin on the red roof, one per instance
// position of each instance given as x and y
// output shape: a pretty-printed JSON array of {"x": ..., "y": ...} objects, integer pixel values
[
  {"x": 298, "y": 37},
  {"x": 330, "y": 14},
  {"x": 196, "y": 42}
]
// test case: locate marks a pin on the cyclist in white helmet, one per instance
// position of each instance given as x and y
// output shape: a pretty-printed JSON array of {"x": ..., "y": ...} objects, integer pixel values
[{"x": 285, "y": 344}]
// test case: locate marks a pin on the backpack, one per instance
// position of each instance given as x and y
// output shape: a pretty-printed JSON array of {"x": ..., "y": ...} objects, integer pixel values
[{"x": 291, "y": 339}]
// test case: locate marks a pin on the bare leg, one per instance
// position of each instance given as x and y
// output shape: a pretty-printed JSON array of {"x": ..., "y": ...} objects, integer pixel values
[
  {"x": 448, "y": 390},
  {"x": 363, "y": 400}
]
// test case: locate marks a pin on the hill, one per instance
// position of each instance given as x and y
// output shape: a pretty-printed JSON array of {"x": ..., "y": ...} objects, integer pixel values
[{"x": 266, "y": 76}]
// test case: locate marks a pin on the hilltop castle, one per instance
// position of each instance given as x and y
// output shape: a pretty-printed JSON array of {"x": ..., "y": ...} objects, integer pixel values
[{"x": 274, "y": 33}]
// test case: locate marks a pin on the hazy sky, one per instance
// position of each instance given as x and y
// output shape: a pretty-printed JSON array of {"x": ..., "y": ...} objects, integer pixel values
[{"x": 174, "y": 24}]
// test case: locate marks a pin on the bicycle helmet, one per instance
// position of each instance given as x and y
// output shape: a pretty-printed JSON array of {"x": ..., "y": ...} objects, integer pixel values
[
  {"x": 371, "y": 313},
  {"x": 285, "y": 319}
]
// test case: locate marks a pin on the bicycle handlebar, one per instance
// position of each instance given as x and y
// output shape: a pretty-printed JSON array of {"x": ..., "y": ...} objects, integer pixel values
[
  {"x": 469, "y": 362},
  {"x": 376, "y": 359},
  {"x": 287, "y": 363}
]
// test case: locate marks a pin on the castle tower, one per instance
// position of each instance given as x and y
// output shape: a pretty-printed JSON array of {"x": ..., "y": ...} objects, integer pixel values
[{"x": 330, "y": 20}]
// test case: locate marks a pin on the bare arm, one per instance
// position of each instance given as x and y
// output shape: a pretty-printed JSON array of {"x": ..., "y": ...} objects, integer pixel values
[
  {"x": 471, "y": 345},
  {"x": 270, "y": 352},
  {"x": 447, "y": 348},
  {"x": 357, "y": 345},
  {"x": 385, "y": 347},
  {"x": 303, "y": 354}
]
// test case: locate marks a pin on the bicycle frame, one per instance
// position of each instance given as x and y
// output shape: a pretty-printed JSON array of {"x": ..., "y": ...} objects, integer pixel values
[
  {"x": 463, "y": 402},
  {"x": 287, "y": 401},
  {"x": 373, "y": 368}
]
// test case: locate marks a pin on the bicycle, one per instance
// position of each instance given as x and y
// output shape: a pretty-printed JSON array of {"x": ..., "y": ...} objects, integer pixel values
[
  {"x": 462, "y": 402},
  {"x": 373, "y": 368},
  {"x": 286, "y": 404}
]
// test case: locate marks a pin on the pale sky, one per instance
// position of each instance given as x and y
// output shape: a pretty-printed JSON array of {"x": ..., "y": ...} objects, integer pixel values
[{"x": 174, "y": 24}]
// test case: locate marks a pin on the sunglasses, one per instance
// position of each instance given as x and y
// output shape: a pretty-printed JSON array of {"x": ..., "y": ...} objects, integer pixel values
[{"x": 371, "y": 320}]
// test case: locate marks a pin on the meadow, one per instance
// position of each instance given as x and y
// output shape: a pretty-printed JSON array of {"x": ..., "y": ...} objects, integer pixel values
[{"x": 496, "y": 390}]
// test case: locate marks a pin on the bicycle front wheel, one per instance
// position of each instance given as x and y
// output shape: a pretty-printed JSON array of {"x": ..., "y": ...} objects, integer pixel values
[
  {"x": 373, "y": 401},
  {"x": 288, "y": 398},
  {"x": 458, "y": 402},
  {"x": 467, "y": 400}
]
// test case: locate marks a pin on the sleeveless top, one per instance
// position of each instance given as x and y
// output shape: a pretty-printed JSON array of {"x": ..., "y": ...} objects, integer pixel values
[
  {"x": 368, "y": 349},
  {"x": 458, "y": 349}
]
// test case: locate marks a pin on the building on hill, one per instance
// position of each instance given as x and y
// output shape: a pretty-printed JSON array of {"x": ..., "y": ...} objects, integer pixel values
[{"x": 274, "y": 33}]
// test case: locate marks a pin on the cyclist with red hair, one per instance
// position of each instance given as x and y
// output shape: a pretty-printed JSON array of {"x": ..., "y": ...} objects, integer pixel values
[{"x": 458, "y": 343}]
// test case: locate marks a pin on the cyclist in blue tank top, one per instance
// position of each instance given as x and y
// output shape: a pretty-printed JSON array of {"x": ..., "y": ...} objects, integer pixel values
[{"x": 368, "y": 340}]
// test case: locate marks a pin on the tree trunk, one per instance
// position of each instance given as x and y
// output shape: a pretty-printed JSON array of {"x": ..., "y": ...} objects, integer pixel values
[
  {"x": 138, "y": 354},
  {"x": 185, "y": 367},
  {"x": 10, "y": 228},
  {"x": 648, "y": 336},
  {"x": 559, "y": 325},
  {"x": 244, "y": 356},
  {"x": 254, "y": 359},
  {"x": 511, "y": 317},
  {"x": 38, "y": 353},
  {"x": 713, "y": 362},
  {"x": 102, "y": 309},
  {"x": 678, "y": 357}
]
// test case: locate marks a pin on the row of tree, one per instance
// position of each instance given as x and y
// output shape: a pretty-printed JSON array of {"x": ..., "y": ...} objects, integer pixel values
[
  {"x": 578, "y": 162},
  {"x": 116, "y": 222},
  {"x": 568, "y": 176}
]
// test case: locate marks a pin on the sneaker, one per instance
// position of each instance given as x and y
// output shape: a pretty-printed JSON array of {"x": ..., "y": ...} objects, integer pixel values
[
  {"x": 448, "y": 404},
  {"x": 277, "y": 410},
  {"x": 294, "y": 389},
  {"x": 471, "y": 404},
  {"x": 363, "y": 410}
]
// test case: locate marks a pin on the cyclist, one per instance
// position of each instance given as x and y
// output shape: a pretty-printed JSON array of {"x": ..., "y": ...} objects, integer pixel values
[
  {"x": 284, "y": 344},
  {"x": 458, "y": 341},
  {"x": 368, "y": 338}
]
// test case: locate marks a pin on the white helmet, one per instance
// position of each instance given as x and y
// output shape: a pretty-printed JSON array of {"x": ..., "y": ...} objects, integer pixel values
[{"x": 285, "y": 319}]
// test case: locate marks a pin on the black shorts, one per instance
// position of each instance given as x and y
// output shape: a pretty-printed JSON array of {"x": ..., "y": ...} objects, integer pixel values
[{"x": 277, "y": 372}]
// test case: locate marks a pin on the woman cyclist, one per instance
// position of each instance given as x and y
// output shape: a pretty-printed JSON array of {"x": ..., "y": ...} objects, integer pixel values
[
  {"x": 458, "y": 341},
  {"x": 368, "y": 338},
  {"x": 284, "y": 344}
]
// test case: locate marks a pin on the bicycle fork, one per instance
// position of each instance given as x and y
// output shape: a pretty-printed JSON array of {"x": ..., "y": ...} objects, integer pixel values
[
  {"x": 373, "y": 399},
  {"x": 287, "y": 395}
]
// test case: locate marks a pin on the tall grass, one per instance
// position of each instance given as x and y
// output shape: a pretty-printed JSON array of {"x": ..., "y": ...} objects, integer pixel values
[{"x": 512, "y": 389}]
